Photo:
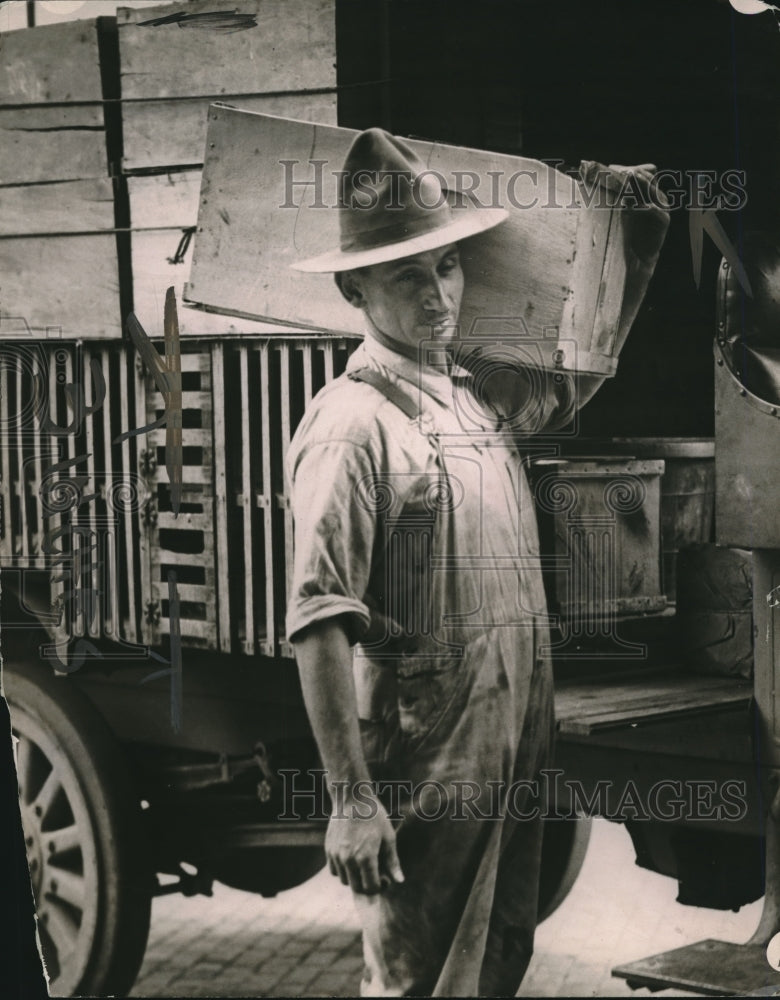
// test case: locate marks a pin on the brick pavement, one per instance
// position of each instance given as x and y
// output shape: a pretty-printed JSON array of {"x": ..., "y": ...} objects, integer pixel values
[{"x": 305, "y": 942}]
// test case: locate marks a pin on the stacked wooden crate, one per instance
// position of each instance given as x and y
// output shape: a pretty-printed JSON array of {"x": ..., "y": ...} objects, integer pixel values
[
  {"x": 176, "y": 60},
  {"x": 58, "y": 252}
]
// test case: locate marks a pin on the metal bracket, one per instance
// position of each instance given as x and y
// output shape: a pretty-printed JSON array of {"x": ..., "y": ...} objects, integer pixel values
[
  {"x": 149, "y": 514},
  {"x": 147, "y": 462},
  {"x": 152, "y": 613}
]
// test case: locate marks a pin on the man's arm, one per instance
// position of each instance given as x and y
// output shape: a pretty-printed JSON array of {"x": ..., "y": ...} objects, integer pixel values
[{"x": 360, "y": 842}]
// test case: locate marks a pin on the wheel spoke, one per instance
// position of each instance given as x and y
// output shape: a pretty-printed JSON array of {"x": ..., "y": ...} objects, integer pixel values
[
  {"x": 62, "y": 930},
  {"x": 24, "y": 767},
  {"x": 59, "y": 841},
  {"x": 67, "y": 886},
  {"x": 46, "y": 795}
]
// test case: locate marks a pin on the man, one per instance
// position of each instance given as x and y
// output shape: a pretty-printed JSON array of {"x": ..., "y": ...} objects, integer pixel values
[{"x": 417, "y": 609}]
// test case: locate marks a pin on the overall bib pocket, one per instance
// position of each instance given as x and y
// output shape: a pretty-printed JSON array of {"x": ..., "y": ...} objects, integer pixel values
[{"x": 429, "y": 687}]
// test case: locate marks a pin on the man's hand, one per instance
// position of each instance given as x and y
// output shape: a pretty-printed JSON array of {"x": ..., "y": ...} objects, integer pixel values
[{"x": 360, "y": 846}]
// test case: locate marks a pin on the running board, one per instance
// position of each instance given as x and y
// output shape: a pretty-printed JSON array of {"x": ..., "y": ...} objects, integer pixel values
[{"x": 713, "y": 968}]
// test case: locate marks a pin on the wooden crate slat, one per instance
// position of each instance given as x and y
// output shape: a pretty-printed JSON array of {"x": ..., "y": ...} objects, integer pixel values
[
  {"x": 191, "y": 436},
  {"x": 114, "y": 479},
  {"x": 164, "y": 201},
  {"x": 191, "y": 522},
  {"x": 64, "y": 207},
  {"x": 291, "y": 47},
  {"x": 51, "y": 63},
  {"x": 193, "y": 592},
  {"x": 93, "y": 623},
  {"x": 195, "y": 400},
  {"x": 190, "y": 628},
  {"x": 129, "y": 564},
  {"x": 6, "y": 544},
  {"x": 161, "y": 134},
  {"x": 41, "y": 458},
  {"x": 24, "y": 520},
  {"x": 52, "y": 144},
  {"x": 220, "y": 498},
  {"x": 265, "y": 445},
  {"x": 67, "y": 283},
  {"x": 306, "y": 349},
  {"x": 247, "y": 502},
  {"x": 284, "y": 349},
  {"x": 194, "y": 474}
]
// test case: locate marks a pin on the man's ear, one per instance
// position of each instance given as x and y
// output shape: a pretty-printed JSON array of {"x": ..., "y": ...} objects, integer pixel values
[{"x": 348, "y": 283}]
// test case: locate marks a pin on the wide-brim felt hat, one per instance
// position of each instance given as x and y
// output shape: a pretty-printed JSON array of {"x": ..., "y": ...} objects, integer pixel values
[{"x": 392, "y": 206}]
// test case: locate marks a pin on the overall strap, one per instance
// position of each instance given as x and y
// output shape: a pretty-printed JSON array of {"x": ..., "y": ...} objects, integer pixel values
[{"x": 389, "y": 390}]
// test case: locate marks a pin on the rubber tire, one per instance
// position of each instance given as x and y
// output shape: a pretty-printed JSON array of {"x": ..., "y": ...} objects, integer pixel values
[
  {"x": 564, "y": 847},
  {"x": 125, "y": 879}
]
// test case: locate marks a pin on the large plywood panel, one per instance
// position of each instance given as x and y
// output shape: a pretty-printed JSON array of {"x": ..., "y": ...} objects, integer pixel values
[
  {"x": 50, "y": 64},
  {"x": 52, "y": 143},
  {"x": 284, "y": 45},
  {"x": 160, "y": 134},
  {"x": 60, "y": 286}
]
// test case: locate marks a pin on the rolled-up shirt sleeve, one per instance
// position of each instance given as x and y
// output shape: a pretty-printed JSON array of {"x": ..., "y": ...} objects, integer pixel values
[{"x": 335, "y": 528}]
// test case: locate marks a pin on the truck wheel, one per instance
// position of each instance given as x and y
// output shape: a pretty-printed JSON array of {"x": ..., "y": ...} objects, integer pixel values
[
  {"x": 81, "y": 821},
  {"x": 563, "y": 853}
]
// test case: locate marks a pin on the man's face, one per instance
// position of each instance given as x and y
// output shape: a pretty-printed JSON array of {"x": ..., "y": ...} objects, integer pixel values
[{"x": 414, "y": 298}]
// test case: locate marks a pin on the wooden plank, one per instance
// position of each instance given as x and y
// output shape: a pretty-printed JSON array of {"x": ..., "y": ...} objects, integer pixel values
[
  {"x": 265, "y": 445},
  {"x": 128, "y": 563},
  {"x": 24, "y": 519},
  {"x": 153, "y": 274},
  {"x": 220, "y": 496},
  {"x": 91, "y": 580},
  {"x": 197, "y": 437},
  {"x": 161, "y": 134},
  {"x": 586, "y": 708},
  {"x": 66, "y": 207},
  {"x": 306, "y": 350},
  {"x": 190, "y": 628},
  {"x": 41, "y": 458},
  {"x": 67, "y": 283},
  {"x": 193, "y": 474},
  {"x": 32, "y": 73},
  {"x": 195, "y": 592},
  {"x": 284, "y": 349},
  {"x": 6, "y": 538},
  {"x": 247, "y": 501},
  {"x": 327, "y": 350},
  {"x": 138, "y": 444},
  {"x": 52, "y": 143},
  {"x": 164, "y": 201},
  {"x": 287, "y": 45},
  {"x": 190, "y": 522},
  {"x": 110, "y": 578},
  {"x": 709, "y": 967}
]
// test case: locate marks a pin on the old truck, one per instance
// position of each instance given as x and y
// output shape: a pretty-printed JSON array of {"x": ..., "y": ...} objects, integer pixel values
[{"x": 152, "y": 691}]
